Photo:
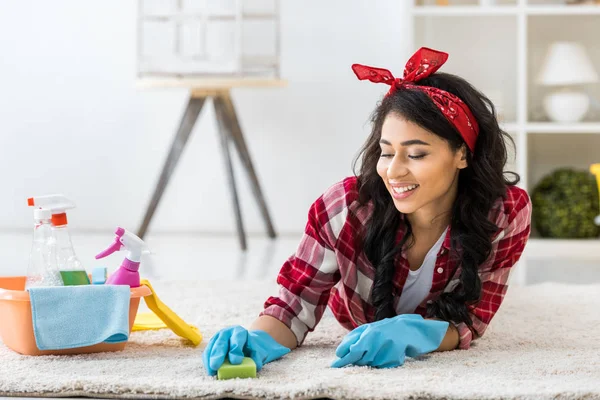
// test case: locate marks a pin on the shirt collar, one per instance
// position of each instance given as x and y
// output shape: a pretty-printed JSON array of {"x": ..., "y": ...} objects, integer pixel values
[{"x": 446, "y": 243}]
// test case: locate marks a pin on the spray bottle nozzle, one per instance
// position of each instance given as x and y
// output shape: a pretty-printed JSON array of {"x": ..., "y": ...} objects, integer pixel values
[
  {"x": 125, "y": 239},
  {"x": 56, "y": 203},
  {"x": 116, "y": 246}
]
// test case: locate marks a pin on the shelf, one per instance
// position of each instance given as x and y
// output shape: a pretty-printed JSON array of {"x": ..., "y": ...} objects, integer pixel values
[
  {"x": 554, "y": 127},
  {"x": 461, "y": 11},
  {"x": 563, "y": 10},
  {"x": 582, "y": 249}
]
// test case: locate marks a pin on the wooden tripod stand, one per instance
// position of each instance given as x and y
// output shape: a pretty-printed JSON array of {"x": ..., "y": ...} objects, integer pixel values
[{"x": 230, "y": 132}]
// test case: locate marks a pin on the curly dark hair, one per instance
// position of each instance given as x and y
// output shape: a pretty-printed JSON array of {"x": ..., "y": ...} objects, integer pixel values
[{"x": 480, "y": 184}]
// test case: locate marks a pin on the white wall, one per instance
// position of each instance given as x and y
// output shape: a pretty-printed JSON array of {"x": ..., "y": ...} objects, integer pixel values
[{"x": 72, "y": 121}]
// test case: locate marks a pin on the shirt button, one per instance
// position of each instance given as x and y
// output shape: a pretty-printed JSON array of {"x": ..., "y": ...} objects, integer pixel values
[
  {"x": 440, "y": 270},
  {"x": 429, "y": 301}
]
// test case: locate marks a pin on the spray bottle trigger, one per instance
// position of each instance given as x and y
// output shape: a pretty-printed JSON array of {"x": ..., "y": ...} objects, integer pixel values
[{"x": 116, "y": 246}]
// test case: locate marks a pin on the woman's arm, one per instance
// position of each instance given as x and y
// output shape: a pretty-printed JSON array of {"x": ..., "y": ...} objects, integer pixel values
[
  {"x": 451, "y": 340},
  {"x": 277, "y": 329},
  {"x": 307, "y": 277}
]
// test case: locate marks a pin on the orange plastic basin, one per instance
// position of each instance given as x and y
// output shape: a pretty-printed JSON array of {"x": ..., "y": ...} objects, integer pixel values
[{"x": 16, "y": 328}]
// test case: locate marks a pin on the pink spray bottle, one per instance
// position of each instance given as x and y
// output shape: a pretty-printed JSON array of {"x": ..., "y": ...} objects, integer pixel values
[{"x": 128, "y": 273}]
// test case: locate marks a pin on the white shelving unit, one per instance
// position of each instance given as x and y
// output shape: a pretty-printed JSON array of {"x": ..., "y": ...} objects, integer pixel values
[
  {"x": 478, "y": 10},
  {"x": 499, "y": 48}
]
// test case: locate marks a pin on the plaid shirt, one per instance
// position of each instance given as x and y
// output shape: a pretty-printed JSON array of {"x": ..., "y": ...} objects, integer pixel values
[{"x": 328, "y": 268}]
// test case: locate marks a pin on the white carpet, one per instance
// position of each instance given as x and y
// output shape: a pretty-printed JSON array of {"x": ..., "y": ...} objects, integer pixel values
[{"x": 543, "y": 344}]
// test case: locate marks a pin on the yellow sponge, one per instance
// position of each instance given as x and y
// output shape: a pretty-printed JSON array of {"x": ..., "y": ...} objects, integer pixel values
[{"x": 247, "y": 369}]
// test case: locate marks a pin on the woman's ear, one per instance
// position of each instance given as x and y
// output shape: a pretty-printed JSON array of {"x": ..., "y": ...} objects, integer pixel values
[{"x": 462, "y": 154}]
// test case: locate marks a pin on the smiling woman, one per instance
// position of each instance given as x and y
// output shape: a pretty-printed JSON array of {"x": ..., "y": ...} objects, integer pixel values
[
  {"x": 412, "y": 254},
  {"x": 461, "y": 189}
]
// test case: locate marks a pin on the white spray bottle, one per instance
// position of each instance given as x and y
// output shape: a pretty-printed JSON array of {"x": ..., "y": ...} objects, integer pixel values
[
  {"x": 58, "y": 205},
  {"x": 128, "y": 272},
  {"x": 42, "y": 269}
]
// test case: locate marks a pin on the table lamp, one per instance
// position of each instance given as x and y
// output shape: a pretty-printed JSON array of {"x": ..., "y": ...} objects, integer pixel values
[{"x": 567, "y": 65}]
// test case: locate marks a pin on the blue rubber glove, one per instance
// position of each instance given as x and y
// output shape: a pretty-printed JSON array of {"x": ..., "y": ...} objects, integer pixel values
[
  {"x": 236, "y": 343},
  {"x": 385, "y": 343}
]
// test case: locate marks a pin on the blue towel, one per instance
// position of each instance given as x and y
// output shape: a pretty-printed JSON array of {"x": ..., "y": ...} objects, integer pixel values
[{"x": 76, "y": 316}]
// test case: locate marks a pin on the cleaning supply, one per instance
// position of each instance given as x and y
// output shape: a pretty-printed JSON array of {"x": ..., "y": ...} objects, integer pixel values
[
  {"x": 16, "y": 322},
  {"x": 247, "y": 369},
  {"x": 385, "y": 343},
  {"x": 75, "y": 278},
  {"x": 99, "y": 275},
  {"x": 42, "y": 269},
  {"x": 172, "y": 320},
  {"x": 148, "y": 321},
  {"x": 595, "y": 169},
  {"x": 79, "y": 316},
  {"x": 60, "y": 241},
  {"x": 235, "y": 343},
  {"x": 128, "y": 272}
]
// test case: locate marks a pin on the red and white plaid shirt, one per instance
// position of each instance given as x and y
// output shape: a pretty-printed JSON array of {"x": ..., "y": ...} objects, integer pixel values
[{"x": 328, "y": 268}]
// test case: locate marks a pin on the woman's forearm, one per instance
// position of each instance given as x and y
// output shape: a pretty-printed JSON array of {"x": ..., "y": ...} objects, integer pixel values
[
  {"x": 284, "y": 336},
  {"x": 277, "y": 329},
  {"x": 451, "y": 340}
]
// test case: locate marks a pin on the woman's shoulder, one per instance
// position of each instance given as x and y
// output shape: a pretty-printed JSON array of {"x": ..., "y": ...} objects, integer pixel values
[
  {"x": 516, "y": 199},
  {"x": 516, "y": 203},
  {"x": 344, "y": 191},
  {"x": 343, "y": 196}
]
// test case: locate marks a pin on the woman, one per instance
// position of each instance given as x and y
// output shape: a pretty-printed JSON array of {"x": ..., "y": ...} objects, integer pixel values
[{"x": 412, "y": 254}]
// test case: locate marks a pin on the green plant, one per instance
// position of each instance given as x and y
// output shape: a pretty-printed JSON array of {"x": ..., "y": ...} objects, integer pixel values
[{"x": 565, "y": 203}]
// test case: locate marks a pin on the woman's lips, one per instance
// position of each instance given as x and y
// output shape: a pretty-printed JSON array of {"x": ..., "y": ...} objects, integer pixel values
[{"x": 403, "y": 195}]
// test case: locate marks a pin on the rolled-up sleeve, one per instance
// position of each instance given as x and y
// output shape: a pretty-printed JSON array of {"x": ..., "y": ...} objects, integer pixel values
[
  {"x": 306, "y": 278},
  {"x": 507, "y": 247}
]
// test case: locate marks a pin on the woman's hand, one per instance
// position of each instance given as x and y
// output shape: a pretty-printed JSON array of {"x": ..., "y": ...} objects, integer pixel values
[
  {"x": 236, "y": 343},
  {"x": 385, "y": 343}
]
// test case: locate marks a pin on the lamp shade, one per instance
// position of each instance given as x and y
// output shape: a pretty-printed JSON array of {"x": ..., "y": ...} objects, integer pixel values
[{"x": 567, "y": 63}]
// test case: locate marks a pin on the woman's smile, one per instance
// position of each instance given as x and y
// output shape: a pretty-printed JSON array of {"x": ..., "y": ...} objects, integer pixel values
[{"x": 400, "y": 192}]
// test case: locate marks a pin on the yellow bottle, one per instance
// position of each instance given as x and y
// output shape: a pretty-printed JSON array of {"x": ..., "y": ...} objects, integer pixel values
[{"x": 595, "y": 169}]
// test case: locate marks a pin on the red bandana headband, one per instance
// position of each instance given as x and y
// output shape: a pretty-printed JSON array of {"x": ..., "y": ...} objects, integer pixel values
[{"x": 421, "y": 65}]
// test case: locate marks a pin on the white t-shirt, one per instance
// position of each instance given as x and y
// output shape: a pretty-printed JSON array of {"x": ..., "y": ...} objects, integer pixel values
[{"x": 418, "y": 283}]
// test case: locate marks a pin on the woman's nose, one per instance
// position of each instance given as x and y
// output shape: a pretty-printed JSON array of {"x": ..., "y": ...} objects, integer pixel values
[{"x": 397, "y": 168}]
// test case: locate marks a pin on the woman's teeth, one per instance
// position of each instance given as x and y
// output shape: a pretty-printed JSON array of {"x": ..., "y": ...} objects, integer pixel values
[{"x": 404, "y": 189}]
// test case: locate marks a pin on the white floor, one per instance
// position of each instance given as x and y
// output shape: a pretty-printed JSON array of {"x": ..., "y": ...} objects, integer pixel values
[
  {"x": 218, "y": 257},
  {"x": 175, "y": 256}
]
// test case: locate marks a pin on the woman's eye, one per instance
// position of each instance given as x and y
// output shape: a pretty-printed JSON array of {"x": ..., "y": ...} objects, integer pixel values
[{"x": 415, "y": 157}]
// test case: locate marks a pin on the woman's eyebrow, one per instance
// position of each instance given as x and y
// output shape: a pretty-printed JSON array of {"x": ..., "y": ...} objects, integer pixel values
[{"x": 406, "y": 143}]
